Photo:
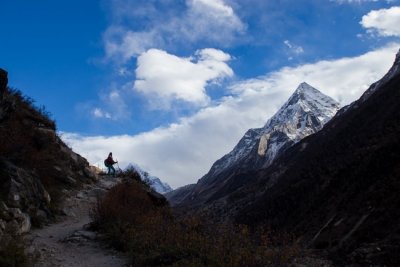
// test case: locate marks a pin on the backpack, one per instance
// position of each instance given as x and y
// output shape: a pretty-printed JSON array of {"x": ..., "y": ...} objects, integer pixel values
[{"x": 108, "y": 162}]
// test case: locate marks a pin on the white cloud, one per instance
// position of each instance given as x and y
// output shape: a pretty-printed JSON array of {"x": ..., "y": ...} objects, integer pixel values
[
  {"x": 385, "y": 22},
  {"x": 294, "y": 50},
  {"x": 211, "y": 20},
  {"x": 353, "y": 1},
  {"x": 164, "y": 78},
  {"x": 99, "y": 113},
  {"x": 113, "y": 107},
  {"x": 201, "y": 20},
  {"x": 184, "y": 151},
  {"x": 122, "y": 44}
]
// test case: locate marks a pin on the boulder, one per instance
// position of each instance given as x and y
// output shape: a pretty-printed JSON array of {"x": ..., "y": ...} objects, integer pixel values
[
  {"x": 41, "y": 215},
  {"x": 2, "y": 225},
  {"x": 4, "y": 213},
  {"x": 25, "y": 192},
  {"x": 97, "y": 192},
  {"x": 21, "y": 222}
]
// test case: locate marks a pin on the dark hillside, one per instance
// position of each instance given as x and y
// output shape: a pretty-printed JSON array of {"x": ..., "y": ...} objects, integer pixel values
[
  {"x": 36, "y": 167},
  {"x": 339, "y": 189}
]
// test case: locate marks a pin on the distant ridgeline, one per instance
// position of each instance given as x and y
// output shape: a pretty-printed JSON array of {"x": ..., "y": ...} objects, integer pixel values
[
  {"x": 36, "y": 167},
  {"x": 154, "y": 182}
]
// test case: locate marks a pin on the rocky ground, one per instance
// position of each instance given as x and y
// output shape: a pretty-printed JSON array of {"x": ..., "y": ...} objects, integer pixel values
[{"x": 69, "y": 242}]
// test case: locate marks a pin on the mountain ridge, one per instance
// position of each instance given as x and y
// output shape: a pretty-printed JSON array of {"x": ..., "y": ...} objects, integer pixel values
[
  {"x": 153, "y": 181},
  {"x": 305, "y": 112},
  {"x": 337, "y": 190}
]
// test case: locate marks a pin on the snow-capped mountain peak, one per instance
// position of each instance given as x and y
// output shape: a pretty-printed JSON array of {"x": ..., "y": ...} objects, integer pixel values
[
  {"x": 304, "y": 113},
  {"x": 153, "y": 181},
  {"x": 305, "y": 99}
]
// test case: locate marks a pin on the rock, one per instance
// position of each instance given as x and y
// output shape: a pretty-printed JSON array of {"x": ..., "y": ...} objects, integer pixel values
[
  {"x": 88, "y": 227},
  {"x": 4, "y": 214},
  {"x": 22, "y": 219},
  {"x": 25, "y": 223},
  {"x": 2, "y": 225},
  {"x": 57, "y": 168},
  {"x": 80, "y": 195},
  {"x": 97, "y": 192},
  {"x": 71, "y": 180},
  {"x": 15, "y": 212},
  {"x": 90, "y": 174},
  {"x": 41, "y": 215},
  {"x": 16, "y": 198},
  {"x": 12, "y": 227},
  {"x": 24, "y": 189},
  {"x": 68, "y": 212},
  {"x": 87, "y": 235},
  {"x": 46, "y": 196},
  {"x": 95, "y": 169},
  {"x": 3, "y": 206}
]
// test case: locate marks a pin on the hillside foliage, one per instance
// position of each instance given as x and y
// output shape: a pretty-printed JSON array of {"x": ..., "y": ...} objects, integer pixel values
[{"x": 153, "y": 236}]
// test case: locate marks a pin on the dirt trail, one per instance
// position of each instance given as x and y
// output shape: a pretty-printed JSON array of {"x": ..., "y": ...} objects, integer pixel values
[{"x": 68, "y": 242}]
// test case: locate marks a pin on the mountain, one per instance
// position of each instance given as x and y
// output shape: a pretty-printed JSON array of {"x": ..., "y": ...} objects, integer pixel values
[
  {"x": 178, "y": 195},
  {"x": 37, "y": 169},
  {"x": 153, "y": 181},
  {"x": 338, "y": 189},
  {"x": 305, "y": 113}
]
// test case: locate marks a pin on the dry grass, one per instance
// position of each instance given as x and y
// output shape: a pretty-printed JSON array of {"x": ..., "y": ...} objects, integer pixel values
[{"x": 153, "y": 237}]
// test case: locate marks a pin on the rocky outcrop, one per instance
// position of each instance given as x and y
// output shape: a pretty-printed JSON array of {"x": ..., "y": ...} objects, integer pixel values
[
  {"x": 12, "y": 220},
  {"x": 36, "y": 168},
  {"x": 22, "y": 190}
]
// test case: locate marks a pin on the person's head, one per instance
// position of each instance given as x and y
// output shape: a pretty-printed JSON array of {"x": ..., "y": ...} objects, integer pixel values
[{"x": 110, "y": 155}]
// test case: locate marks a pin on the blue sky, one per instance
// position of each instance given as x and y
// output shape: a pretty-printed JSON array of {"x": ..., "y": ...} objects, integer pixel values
[{"x": 173, "y": 85}]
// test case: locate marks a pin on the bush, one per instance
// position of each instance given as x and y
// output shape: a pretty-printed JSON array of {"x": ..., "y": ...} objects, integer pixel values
[
  {"x": 38, "y": 113},
  {"x": 153, "y": 237}
]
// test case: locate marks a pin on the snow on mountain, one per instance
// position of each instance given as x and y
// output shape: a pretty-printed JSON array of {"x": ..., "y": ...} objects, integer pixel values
[
  {"x": 153, "y": 181},
  {"x": 394, "y": 70},
  {"x": 305, "y": 113}
]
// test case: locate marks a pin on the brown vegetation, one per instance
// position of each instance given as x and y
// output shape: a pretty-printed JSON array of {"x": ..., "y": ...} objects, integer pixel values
[{"x": 152, "y": 236}]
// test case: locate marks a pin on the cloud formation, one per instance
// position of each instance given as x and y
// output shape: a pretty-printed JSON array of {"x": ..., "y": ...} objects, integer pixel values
[
  {"x": 113, "y": 106},
  {"x": 184, "y": 151},
  {"x": 353, "y": 1},
  {"x": 384, "y": 22},
  {"x": 293, "y": 50},
  {"x": 165, "y": 78},
  {"x": 211, "y": 21}
]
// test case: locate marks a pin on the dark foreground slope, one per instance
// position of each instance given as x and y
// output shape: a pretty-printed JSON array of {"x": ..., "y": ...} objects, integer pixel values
[
  {"x": 339, "y": 189},
  {"x": 36, "y": 167}
]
